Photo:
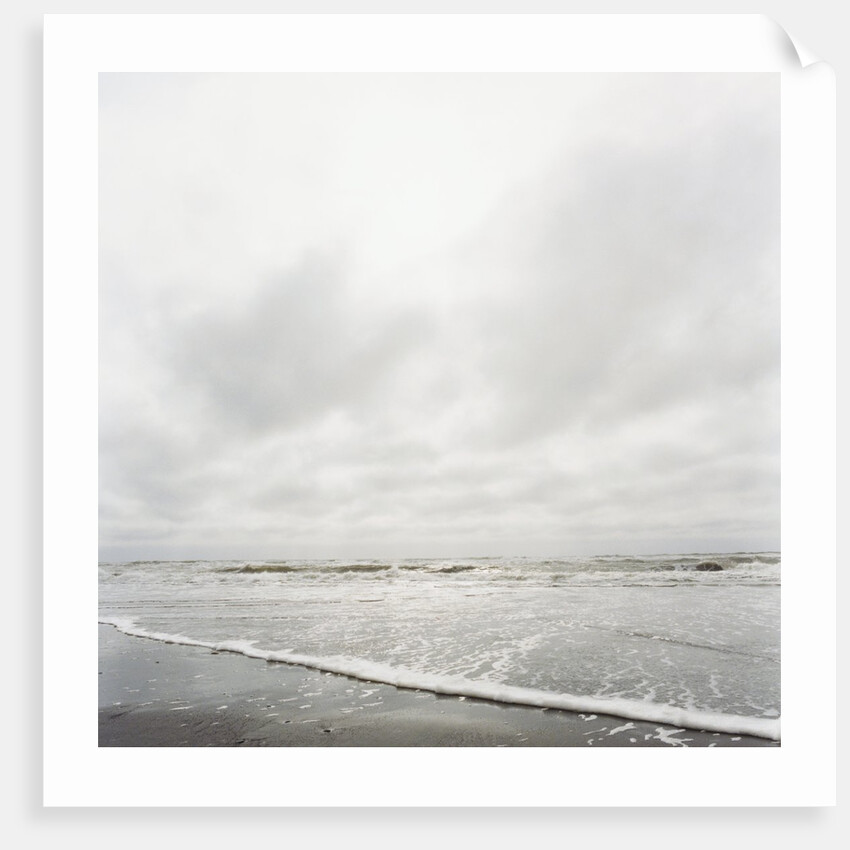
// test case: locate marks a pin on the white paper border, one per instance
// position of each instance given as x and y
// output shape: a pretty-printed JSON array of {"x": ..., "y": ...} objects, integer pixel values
[{"x": 77, "y": 772}]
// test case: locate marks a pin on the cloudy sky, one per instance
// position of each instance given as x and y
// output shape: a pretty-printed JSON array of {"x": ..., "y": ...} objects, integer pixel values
[{"x": 356, "y": 315}]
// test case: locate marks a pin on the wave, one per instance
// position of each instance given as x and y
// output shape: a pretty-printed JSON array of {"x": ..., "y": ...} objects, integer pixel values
[
  {"x": 737, "y": 568},
  {"x": 330, "y": 568},
  {"x": 697, "y": 567},
  {"x": 370, "y": 671},
  {"x": 287, "y": 568}
]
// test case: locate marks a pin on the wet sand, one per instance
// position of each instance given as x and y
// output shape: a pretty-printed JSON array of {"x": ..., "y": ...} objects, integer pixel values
[{"x": 153, "y": 694}]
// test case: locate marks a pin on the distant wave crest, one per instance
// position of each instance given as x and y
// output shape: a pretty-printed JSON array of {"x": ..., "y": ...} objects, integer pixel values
[{"x": 745, "y": 568}]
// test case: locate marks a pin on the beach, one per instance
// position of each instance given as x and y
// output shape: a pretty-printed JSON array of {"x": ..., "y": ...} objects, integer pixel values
[{"x": 154, "y": 694}]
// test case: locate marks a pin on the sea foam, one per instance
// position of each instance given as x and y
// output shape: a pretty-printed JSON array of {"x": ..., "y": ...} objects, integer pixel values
[{"x": 370, "y": 671}]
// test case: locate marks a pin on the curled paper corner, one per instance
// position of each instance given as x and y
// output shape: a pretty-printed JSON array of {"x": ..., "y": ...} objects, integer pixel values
[{"x": 794, "y": 49}]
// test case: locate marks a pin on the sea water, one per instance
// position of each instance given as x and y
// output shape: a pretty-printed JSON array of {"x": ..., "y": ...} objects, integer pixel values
[{"x": 685, "y": 639}]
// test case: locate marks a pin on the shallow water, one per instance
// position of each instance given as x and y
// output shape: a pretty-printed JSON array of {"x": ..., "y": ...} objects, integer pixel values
[{"x": 698, "y": 634}]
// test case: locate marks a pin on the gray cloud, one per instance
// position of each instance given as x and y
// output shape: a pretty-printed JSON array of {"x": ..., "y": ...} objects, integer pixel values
[
  {"x": 645, "y": 288},
  {"x": 297, "y": 350},
  {"x": 588, "y": 362}
]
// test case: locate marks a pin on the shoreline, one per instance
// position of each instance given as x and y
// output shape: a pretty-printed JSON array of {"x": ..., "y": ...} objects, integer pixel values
[{"x": 170, "y": 695}]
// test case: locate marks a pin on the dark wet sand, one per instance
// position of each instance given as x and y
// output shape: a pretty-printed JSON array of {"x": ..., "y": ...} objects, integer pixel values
[{"x": 153, "y": 694}]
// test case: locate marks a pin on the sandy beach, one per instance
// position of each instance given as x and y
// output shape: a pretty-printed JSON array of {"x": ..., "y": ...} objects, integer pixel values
[{"x": 153, "y": 694}]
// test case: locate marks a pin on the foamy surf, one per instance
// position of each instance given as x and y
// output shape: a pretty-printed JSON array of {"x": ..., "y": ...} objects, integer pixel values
[{"x": 370, "y": 671}]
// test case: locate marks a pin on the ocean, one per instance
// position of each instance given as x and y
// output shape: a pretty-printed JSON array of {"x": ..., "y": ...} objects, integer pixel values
[{"x": 692, "y": 640}]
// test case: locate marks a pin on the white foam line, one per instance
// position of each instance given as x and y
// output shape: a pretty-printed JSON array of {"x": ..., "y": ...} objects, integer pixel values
[{"x": 369, "y": 671}]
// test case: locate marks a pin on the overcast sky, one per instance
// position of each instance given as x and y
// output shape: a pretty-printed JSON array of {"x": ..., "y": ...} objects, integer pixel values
[{"x": 433, "y": 315}]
